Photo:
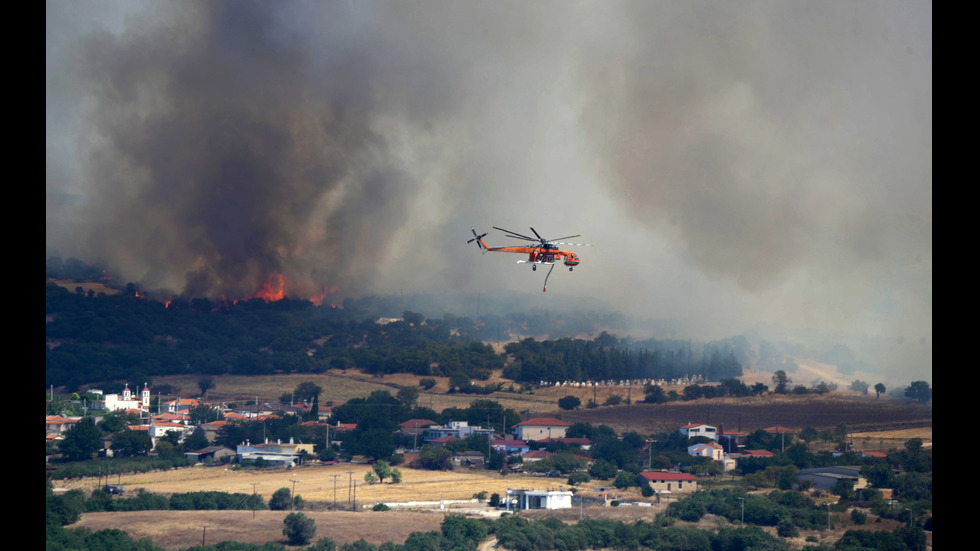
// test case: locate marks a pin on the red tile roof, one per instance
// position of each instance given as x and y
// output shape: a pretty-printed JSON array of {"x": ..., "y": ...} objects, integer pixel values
[
  {"x": 668, "y": 476},
  {"x": 758, "y": 453},
  {"x": 780, "y": 430},
  {"x": 543, "y": 421}
]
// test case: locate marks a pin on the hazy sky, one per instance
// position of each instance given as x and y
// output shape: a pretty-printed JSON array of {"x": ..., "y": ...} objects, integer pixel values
[{"x": 733, "y": 163}]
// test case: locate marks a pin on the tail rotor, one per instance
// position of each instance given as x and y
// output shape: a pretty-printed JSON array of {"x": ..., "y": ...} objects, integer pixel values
[{"x": 478, "y": 239}]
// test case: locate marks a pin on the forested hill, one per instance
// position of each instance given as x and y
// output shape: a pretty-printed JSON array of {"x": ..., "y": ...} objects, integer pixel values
[{"x": 97, "y": 338}]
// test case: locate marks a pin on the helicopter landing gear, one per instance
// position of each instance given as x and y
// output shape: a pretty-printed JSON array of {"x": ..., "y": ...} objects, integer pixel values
[
  {"x": 569, "y": 268},
  {"x": 534, "y": 267}
]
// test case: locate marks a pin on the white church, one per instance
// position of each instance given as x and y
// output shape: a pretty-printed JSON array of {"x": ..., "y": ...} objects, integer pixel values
[{"x": 126, "y": 400}]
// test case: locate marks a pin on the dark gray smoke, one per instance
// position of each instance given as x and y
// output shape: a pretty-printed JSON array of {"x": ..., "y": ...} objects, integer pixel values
[
  {"x": 733, "y": 163},
  {"x": 236, "y": 142}
]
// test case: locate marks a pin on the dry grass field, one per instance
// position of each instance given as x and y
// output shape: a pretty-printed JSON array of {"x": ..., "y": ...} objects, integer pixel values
[
  {"x": 183, "y": 529},
  {"x": 315, "y": 484}
]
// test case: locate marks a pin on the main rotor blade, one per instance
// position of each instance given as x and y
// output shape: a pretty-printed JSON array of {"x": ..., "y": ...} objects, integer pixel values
[
  {"x": 515, "y": 234},
  {"x": 566, "y": 237},
  {"x": 541, "y": 239}
]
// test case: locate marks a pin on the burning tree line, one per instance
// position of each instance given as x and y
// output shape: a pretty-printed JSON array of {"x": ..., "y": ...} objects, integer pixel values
[{"x": 128, "y": 337}]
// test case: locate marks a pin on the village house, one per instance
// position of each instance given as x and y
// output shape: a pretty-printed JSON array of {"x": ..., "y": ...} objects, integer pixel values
[
  {"x": 468, "y": 459},
  {"x": 510, "y": 446},
  {"x": 441, "y": 442},
  {"x": 756, "y": 453},
  {"x": 730, "y": 440},
  {"x": 540, "y": 428},
  {"x": 712, "y": 451},
  {"x": 180, "y": 405},
  {"x": 212, "y": 454},
  {"x": 456, "y": 429},
  {"x": 211, "y": 430},
  {"x": 522, "y": 500},
  {"x": 700, "y": 429},
  {"x": 57, "y": 424},
  {"x": 825, "y": 478},
  {"x": 415, "y": 427},
  {"x": 536, "y": 455},
  {"x": 669, "y": 482},
  {"x": 275, "y": 454}
]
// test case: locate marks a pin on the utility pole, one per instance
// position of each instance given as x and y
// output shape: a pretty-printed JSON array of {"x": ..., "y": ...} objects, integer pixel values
[
  {"x": 292, "y": 495},
  {"x": 254, "y": 484},
  {"x": 335, "y": 490},
  {"x": 350, "y": 484}
]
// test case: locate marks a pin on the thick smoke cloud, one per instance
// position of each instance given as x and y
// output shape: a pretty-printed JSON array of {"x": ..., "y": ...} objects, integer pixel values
[{"x": 734, "y": 164}]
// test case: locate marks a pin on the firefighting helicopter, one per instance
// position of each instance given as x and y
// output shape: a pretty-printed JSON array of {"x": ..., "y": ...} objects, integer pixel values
[{"x": 547, "y": 252}]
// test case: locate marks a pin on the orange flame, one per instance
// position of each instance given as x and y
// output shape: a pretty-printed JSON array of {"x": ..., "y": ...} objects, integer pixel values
[
  {"x": 273, "y": 289},
  {"x": 324, "y": 294}
]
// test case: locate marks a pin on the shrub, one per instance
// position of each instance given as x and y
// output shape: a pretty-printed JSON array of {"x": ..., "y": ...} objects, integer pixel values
[
  {"x": 281, "y": 500},
  {"x": 299, "y": 529}
]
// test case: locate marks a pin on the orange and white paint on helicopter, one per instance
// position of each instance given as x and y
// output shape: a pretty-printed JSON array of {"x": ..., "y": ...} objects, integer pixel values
[{"x": 547, "y": 252}]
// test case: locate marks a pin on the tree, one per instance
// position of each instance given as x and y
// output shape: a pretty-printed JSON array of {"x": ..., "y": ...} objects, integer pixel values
[
  {"x": 82, "y": 440},
  {"x": 205, "y": 385},
  {"x": 435, "y": 459},
  {"x": 299, "y": 529},
  {"x": 382, "y": 469},
  {"x": 809, "y": 434},
  {"x": 840, "y": 436},
  {"x": 602, "y": 469},
  {"x": 654, "y": 394},
  {"x": 408, "y": 395},
  {"x": 879, "y": 389},
  {"x": 624, "y": 480},
  {"x": 131, "y": 442},
  {"x": 306, "y": 391},
  {"x": 459, "y": 381},
  {"x": 919, "y": 390},
  {"x": 569, "y": 402},
  {"x": 781, "y": 381}
]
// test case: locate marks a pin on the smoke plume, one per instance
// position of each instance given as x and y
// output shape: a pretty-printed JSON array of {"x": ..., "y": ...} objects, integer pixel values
[{"x": 732, "y": 164}]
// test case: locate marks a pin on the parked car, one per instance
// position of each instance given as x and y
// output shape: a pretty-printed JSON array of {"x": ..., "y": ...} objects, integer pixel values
[{"x": 113, "y": 489}]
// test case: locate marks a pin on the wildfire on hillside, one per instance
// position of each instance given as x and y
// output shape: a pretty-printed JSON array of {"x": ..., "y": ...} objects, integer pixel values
[
  {"x": 274, "y": 289},
  {"x": 325, "y": 292}
]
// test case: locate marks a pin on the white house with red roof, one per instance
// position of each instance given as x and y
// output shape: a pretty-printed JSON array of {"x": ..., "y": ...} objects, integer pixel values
[
  {"x": 58, "y": 424},
  {"x": 669, "y": 482},
  {"x": 181, "y": 405},
  {"x": 714, "y": 452},
  {"x": 510, "y": 446},
  {"x": 710, "y": 450},
  {"x": 540, "y": 428}
]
